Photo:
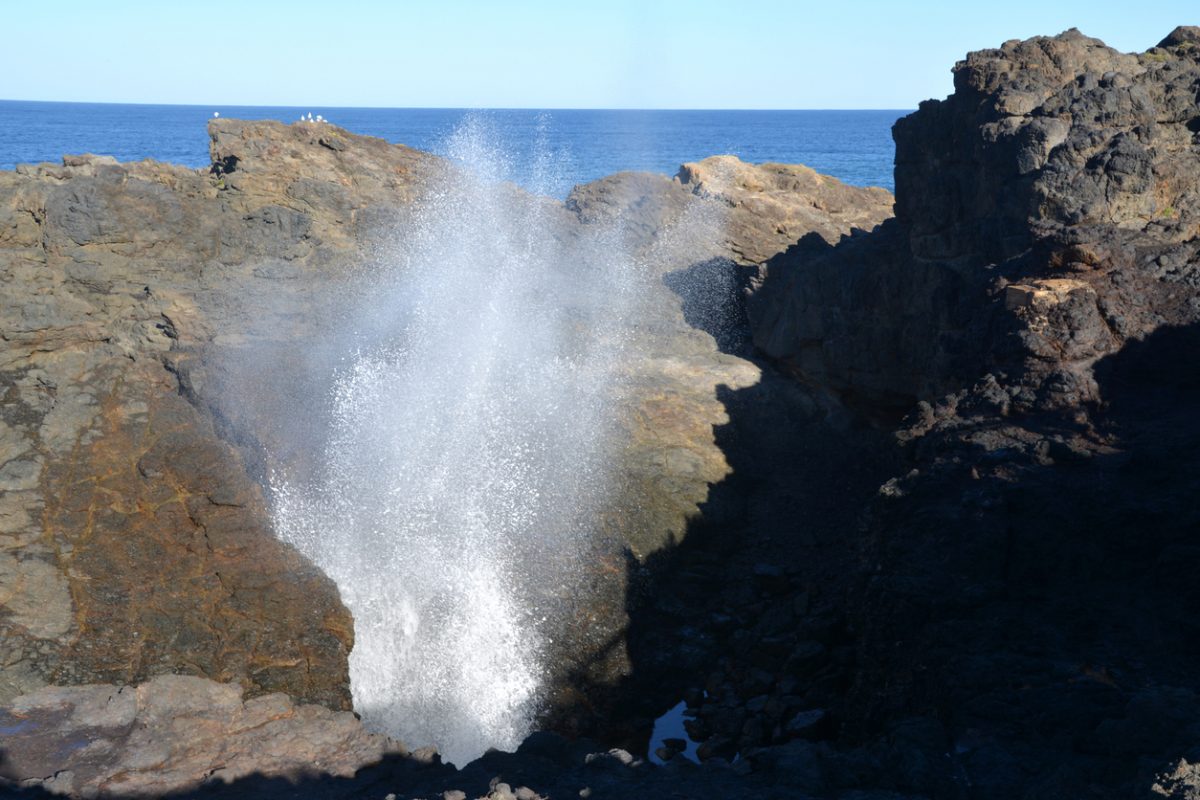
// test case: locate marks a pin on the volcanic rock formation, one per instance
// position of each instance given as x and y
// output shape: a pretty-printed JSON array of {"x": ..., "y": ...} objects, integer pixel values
[{"x": 1027, "y": 595}]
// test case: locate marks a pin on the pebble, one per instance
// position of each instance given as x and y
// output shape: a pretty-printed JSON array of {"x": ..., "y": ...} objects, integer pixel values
[
  {"x": 502, "y": 791},
  {"x": 624, "y": 756}
]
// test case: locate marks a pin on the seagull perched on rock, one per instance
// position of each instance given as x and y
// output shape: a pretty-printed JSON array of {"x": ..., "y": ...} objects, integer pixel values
[{"x": 216, "y": 114}]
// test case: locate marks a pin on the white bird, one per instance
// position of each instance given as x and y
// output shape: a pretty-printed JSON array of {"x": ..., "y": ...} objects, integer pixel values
[
  {"x": 319, "y": 118},
  {"x": 310, "y": 119},
  {"x": 216, "y": 114}
]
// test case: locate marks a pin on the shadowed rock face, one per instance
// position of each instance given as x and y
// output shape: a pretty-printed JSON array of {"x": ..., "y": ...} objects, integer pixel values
[{"x": 1032, "y": 314}]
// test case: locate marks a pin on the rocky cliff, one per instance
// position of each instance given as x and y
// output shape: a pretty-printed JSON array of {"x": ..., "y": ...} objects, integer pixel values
[
  {"x": 1026, "y": 596},
  {"x": 135, "y": 541},
  {"x": 137, "y": 535},
  {"x": 1056, "y": 165}
]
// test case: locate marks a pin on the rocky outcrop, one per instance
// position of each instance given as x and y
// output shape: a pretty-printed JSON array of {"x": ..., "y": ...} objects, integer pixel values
[
  {"x": 175, "y": 733},
  {"x": 134, "y": 539},
  {"x": 182, "y": 736},
  {"x": 703, "y": 230},
  {"x": 691, "y": 234},
  {"x": 955, "y": 559},
  {"x": 774, "y": 205},
  {"x": 697, "y": 230},
  {"x": 759, "y": 209},
  {"x": 1057, "y": 164},
  {"x": 137, "y": 539},
  {"x": 1031, "y": 311}
]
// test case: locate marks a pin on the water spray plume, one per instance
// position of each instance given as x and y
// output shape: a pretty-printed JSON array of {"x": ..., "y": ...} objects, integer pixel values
[{"x": 469, "y": 454}]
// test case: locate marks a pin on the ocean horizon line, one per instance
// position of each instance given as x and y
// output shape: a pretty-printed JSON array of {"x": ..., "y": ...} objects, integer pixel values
[{"x": 218, "y": 106}]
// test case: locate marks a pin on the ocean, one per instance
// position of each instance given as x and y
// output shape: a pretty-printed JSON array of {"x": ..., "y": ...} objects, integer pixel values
[{"x": 580, "y": 145}]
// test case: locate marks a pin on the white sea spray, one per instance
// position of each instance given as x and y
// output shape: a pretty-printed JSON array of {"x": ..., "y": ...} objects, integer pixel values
[{"x": 468, "y": 455}]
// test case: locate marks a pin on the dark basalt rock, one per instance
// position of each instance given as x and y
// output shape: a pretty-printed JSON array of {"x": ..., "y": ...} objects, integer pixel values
[
  {"x": 1039, "y": 211},
  {"x": 1032, "y": 312}
]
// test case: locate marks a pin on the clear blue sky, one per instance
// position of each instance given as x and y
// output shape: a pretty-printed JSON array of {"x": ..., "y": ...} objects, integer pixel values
[{"x": 514, "y": 54}]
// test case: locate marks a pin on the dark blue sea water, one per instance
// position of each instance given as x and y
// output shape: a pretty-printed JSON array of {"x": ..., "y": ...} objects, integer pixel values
[{"x": 855, "y": 146}]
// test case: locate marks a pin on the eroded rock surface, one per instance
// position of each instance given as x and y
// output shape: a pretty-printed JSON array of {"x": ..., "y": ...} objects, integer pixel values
[
  {"x": 182, "y": 736},
  {"x": 135, "y": 541},
  {"x": 175, "y": 733},
  {"x": 1046, "y": 213},
  {"x": 136, "y": 534},
  {"x": 1025, "y": 605}
]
